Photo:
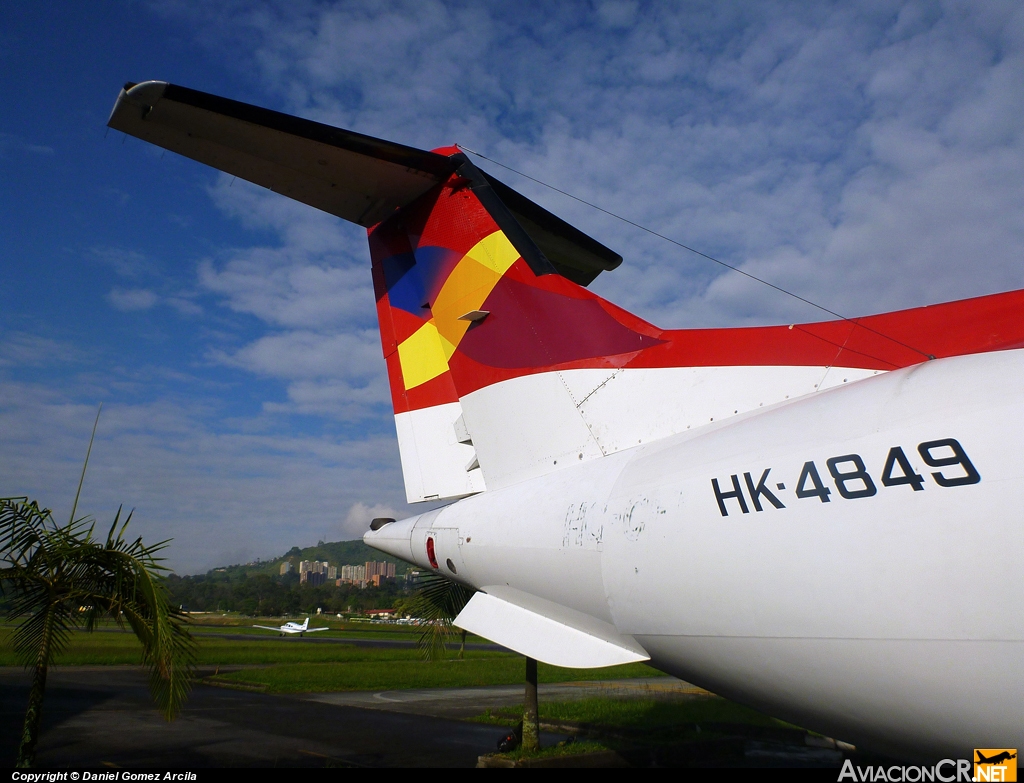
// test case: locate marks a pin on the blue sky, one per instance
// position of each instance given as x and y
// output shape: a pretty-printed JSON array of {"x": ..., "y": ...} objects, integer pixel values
[{"x": 869, "y": 156}]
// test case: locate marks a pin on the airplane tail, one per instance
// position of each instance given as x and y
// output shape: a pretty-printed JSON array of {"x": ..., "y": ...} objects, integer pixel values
[
  {"x": 475, "y": 287},
  {"x": 305, "y": 625},
  {"x": 502, "y": 364}
]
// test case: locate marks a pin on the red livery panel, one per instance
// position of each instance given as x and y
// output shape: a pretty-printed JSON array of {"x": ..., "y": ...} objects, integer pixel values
[{"x": 542, "y": 322}]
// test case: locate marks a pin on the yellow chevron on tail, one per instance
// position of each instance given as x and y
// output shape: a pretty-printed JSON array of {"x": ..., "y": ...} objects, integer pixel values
[{"x": 424, "y": 355}]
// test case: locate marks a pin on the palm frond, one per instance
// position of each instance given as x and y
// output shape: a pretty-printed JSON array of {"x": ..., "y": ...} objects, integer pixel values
[
  {"x": 134, "y": 592},
  {"x": 43, "y": 635},
  {"x": 439, "y": 601},
  {"x": 22, "y": 523},
  {"x": 88, "y": 451}
]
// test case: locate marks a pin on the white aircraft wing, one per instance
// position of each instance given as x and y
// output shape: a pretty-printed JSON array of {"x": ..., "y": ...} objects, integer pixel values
[
  {"x": 314, "y": 630},
  {"x": 268, "y": 628}
]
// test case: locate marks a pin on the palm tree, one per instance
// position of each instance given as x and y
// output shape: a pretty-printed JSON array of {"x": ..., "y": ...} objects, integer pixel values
[
  {"x": 439, "y": 600},
  {"x": 59, "y": 577}
]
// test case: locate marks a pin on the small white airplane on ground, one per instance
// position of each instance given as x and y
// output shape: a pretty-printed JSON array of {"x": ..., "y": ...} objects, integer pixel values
[
  {"x": 820, "y": 520},
  {"x": 291, "y": 627}
]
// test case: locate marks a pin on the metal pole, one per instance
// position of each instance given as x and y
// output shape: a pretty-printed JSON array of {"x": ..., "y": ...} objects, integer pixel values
[{"x": 531, "y": 724}]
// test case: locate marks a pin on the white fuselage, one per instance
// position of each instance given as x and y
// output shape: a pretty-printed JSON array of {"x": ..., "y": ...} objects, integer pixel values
[{"x": 890, "y": 618}]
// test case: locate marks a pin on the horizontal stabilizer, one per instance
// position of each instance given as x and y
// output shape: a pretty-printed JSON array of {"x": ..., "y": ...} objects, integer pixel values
[
  {"x": 356, "y": 177},
  {"x": 575, "y": 255},
  {"x": 546, "y": 631}
]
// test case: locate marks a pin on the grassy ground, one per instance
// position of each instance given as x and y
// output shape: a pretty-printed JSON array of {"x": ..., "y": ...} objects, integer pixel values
[
  {"x": 230, "y": 623},
  {"x": 370, "y": 632},
  {"x": 690, "y": 731},
  {"x": 109, "y": 647},
  {"x": 339, "y": 629},
  {"x": 561, "y": 749},
  {"x": 376, "y": 672},
  {"x": 292, "y": 665},
  {"x": 638, "y": 715}
]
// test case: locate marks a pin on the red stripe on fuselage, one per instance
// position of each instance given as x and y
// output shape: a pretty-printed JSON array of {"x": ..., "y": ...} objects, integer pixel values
[{"x": 880, "y": 342}]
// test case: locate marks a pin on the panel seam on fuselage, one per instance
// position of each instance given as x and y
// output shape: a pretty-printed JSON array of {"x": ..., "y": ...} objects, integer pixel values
[
  {"x": 599, "y": 387},
  {"x": 579, "y": 413}
]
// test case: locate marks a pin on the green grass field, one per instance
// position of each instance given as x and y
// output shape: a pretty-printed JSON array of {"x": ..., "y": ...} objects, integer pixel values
[
  {"x": 708, "y": 725},
  {"x": 638, "y": 715},
  {"x": 401, "y": 633},
  {"x": 377, "y": 672},
  {"x": 236, "y": 623},
  {"x": 294, "y": 665},
  {"x": 109, "y": 647}
]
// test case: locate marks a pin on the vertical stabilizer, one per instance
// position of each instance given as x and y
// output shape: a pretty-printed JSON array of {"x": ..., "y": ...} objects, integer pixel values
[{"x": 466, "y": 298}]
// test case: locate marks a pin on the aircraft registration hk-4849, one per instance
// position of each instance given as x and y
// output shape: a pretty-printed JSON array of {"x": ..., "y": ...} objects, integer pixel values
[
  {"x": 820, "y": 520},
  {"x": 291, "y": 627}
]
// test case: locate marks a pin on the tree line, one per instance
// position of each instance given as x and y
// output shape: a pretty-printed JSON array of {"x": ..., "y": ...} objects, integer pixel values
[{"x": 267, "y": 596}]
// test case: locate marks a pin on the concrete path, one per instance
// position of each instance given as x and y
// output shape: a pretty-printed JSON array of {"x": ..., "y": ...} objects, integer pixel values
[
  {"x": 102, "y": 716},
  {"x": 463, "y": 703}
]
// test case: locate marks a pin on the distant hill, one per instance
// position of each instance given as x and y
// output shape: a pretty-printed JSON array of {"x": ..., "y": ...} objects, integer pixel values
[{"x": 337, "y": 553}]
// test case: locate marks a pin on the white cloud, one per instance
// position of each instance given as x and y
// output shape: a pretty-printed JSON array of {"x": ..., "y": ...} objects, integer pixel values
[
  {"x": 616, "y": 14},
  {"x": 12, "y": 143},
  {"x": 132, "y": 299},
  {"x": 339, "y": 375},
  {"x": 23, "y": 349},
  {"x": 185, "y": 307},
  {"x": 284, "y": 287},
  {"x": 313, "y": 355},
  {"x": 343, "y": 400},
  {"x": 222, "y": 495},
  {"x": 359, "y": 516},
  {"x": 135, "y": 299},
  {"x": 126, "y": 263}
]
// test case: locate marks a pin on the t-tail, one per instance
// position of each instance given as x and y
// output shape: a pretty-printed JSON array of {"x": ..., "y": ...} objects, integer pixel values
[{"x": 502, "y": 365}]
